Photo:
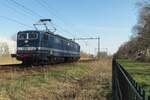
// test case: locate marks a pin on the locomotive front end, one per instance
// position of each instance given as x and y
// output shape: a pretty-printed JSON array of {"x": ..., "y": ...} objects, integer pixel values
[{"x": 27, "y": 46}]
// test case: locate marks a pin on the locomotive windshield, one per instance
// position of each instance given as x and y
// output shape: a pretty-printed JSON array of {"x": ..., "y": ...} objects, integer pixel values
[
  {"x": 32, "y": 35},
  {"x": 22, "y": 36},
  {"x": 27, "y": 35}
]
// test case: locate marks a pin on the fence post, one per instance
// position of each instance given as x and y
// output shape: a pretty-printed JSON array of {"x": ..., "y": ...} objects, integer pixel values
[{"x": 113, "y": 78}]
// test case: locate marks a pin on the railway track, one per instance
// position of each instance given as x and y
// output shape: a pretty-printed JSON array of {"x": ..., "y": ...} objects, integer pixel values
[
  {"x": 21, "y": 67},
  {"x": 24, "y": 65}
]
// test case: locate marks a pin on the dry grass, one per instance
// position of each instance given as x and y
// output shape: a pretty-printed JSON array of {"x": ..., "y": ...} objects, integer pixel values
[
  {"x": 8, "y": 60},
  {"x": 74, "y": 81}
]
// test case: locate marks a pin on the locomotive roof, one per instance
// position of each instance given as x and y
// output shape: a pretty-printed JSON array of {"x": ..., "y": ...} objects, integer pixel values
[{"x": 51, "y": 34}]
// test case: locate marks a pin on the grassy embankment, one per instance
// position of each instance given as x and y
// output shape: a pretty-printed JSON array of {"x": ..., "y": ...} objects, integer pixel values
[
  {"x": 140, "y": 72},
  {"x": 72, "y": 81}
]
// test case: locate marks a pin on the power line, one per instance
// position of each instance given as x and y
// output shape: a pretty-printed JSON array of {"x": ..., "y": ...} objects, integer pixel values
[
  {"x": 31, "y": 11},
  {"x": 16, "y": 11},
  {"x": 86, "y": 38},
  {"x": 57, "y": 14},
  {"x": 13, "y": 20},
  {"x": 53, "y": 11},
  {"x": 43, "y": 3},
  {"x": 26, "y": 8},
  {"x": 66, "y": 31},
  {"x": 91, "y": 38}
]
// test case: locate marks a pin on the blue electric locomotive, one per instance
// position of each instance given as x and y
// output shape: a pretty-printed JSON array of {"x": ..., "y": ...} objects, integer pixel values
[{"x": 36, "y": 46}]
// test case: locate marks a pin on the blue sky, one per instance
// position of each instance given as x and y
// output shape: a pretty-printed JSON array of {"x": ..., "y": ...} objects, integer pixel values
[{"x": 112, "y": 20}]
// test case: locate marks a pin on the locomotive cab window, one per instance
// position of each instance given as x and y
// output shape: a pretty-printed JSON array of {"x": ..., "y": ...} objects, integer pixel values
[
  {"x": 22, "y": 36},
  {"x": 32, "y": 36}
]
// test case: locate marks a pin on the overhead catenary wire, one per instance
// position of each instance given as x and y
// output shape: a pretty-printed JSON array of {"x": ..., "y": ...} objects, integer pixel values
[
  {"x": 35, "y": 14},
  {"x": 56, "y": 13},
  {"x": 66, "y": 31},
  {"x": 43, "y": 3},
  {"x": 17, "y": 10},
  {"x": 26, "y": 8},
  {"x": 16, "y": 21},
  {"x": 51, "y": 10}
]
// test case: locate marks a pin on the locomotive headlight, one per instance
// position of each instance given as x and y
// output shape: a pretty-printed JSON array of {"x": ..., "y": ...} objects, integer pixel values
[
  {"x": 26, "y": 41},
  {"x": 19, "y": 48}
]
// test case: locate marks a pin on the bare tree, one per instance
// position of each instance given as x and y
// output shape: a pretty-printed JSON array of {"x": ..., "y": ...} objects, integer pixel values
[
  {"x": 140, "y": 41},
  {"x": 4, "y": 49}
]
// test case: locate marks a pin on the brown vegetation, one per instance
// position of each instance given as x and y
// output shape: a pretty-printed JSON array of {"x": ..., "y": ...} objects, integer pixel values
[
  {"x": 73, "y": 81},
  {"x": 138, "y": 47},
  {"x": 84, "y": 55},
  {"x": 7, "y": 59}
]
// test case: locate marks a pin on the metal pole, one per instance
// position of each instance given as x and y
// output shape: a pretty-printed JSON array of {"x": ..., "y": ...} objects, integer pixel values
[{"x": 98, "y": 47}]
